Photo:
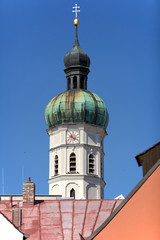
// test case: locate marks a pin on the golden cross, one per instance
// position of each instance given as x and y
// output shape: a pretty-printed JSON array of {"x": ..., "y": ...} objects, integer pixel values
[{"x": 76, "y": 10}]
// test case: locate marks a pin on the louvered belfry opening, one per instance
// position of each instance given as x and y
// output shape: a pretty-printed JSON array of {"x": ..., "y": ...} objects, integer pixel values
[
  {"x": 72, "y": 163},
  {"x": 56, "y": 165},
  {"x": 91, "y": 164}
]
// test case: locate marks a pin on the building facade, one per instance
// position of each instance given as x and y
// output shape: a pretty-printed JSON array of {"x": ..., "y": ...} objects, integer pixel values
[{"x": 137, "y": 217}]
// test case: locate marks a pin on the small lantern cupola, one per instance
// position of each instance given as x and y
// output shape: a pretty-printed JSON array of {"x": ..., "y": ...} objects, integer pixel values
[{"x": 77, "y": 63}]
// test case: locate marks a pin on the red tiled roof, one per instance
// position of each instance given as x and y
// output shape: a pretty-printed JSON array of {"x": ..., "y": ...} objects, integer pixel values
[{"x": 61, "y": 219}]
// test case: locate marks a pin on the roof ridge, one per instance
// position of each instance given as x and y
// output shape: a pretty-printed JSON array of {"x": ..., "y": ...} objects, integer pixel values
[
  {"x": 59, "y": 203},
  {"x": 148, "y": 149},
  {"x": 93, "y": 229},
  {"x": 85, "y": 216},
  {"x": 72, "y": 217}
]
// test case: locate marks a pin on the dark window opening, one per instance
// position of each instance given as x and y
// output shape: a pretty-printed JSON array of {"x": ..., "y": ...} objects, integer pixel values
[
  {"x": 91, "y": 164},
  {"x": 72, "y": 193},
  {"x": 69, "y": 84},
  {"x": 72, "y": 165},
  {"x": 82, "y": 83},
  {"x": 74, "y": 82},
  {"x": 56, "y": 166}
]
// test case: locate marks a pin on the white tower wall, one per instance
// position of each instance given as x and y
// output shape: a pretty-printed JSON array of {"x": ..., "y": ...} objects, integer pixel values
[{"x": 86, "y": 185}]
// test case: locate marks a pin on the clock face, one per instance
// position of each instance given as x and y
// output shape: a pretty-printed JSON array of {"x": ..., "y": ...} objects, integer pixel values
[{"x": 73, "y": 137}]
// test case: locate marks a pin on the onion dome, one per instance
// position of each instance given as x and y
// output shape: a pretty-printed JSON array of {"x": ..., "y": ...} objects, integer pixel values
[
  {"x": 76, "y": 106},
  {"x": 76, "y": 57}
]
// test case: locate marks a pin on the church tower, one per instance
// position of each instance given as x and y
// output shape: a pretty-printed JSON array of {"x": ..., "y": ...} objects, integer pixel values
[{"x": 77, "y": 121}]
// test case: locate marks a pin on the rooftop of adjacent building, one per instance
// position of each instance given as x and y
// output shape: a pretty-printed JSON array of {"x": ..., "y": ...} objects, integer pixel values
[
  {"x": 138, "y": 214},
  {"x": 63, "y": 219}
]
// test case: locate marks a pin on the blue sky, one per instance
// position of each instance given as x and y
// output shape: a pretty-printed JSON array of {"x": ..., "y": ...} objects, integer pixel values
[{"x": 121, "y": 39}]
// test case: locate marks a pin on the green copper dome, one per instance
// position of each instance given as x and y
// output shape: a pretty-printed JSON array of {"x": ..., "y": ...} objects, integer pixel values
[{"x": 76, "y": 106}]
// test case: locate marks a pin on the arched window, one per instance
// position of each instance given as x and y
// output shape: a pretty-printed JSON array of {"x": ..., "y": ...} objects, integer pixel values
[
  {"x": 56, "y": 165},
  {"x": 82, "y": 83},
  {"x": 74, "y": 82},
  {"x": 72, "y": 164},
  {"x": 91, "y": 164},
  {"x": 72, "y": 193},
  {"x": 68, "y": 83}
]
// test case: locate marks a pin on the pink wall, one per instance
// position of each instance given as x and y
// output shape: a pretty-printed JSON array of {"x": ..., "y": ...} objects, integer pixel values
[{"x": 140, "y": 218}]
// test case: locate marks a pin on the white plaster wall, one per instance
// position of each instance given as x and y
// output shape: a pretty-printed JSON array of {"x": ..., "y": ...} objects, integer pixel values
[
  {"x": 81, "y": 187},
  {"x": 91, "y": 138},
  {"x": 92, "y": 191},
  {"x": 89, "y": 134},
  {"x": 8, "y": 231},
  {"x": 56, "y": 189},
  {"x": 63, "y": 163}
]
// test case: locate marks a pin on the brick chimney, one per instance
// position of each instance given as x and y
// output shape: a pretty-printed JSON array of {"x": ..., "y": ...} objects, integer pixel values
[
  {"x": 28, "y": 192},
  {"x": 149, "y": 157}
]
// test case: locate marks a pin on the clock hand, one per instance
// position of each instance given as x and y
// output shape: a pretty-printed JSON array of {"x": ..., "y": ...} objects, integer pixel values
[{"x": 74, "y": 138}]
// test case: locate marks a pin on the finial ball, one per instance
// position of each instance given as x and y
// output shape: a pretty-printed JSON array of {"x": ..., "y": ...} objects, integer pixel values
[{"x": 76, "y": 22}]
